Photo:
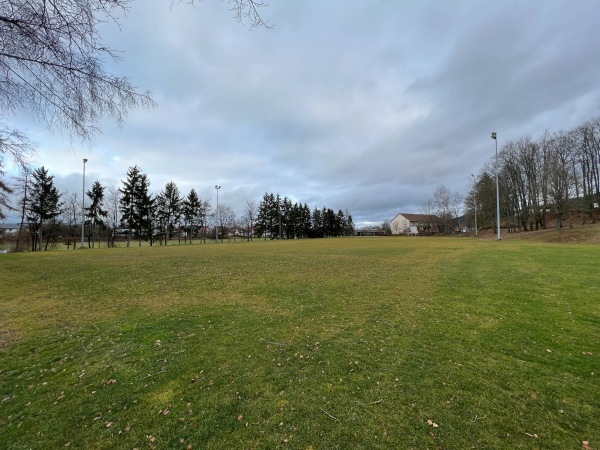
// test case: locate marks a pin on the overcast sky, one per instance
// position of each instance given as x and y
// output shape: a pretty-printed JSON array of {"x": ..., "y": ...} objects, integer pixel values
[{"x": 359, "y": 105}]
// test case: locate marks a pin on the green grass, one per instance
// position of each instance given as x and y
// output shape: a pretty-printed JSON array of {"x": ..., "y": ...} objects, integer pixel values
[{"x": 324, "y": 344}]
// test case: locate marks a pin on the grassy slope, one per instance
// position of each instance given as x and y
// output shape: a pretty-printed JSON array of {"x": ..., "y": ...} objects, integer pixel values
[{"x": 340, "y": 343}]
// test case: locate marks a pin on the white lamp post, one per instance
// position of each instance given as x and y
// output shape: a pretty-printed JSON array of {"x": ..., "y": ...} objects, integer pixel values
[
  {"x": 217, "y": 211},
  {"x": 475, "y": 201},
  {"x": 83, "y": 203},
  {"x": 494, "y": 137}
]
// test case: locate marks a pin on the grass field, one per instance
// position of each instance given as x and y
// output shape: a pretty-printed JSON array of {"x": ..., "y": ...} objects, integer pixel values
[{"x": 366, "y": 343}]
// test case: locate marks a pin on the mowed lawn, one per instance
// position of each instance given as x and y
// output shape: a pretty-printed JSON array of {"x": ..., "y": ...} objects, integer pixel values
[{"x": 391, "y": 343}]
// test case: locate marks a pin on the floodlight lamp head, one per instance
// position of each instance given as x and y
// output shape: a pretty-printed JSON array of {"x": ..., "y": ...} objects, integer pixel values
[
  {"x": 493, "y": 135},
  {"x": 84, "y": 160}
]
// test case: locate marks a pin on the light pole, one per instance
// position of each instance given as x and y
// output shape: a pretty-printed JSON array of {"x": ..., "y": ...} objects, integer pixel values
[
  {"x": 475, "y": 201},
  {"x": 83, "y": 203},
  {"x": 494, "y": 137},
  {"x": 217, "y": 212}
]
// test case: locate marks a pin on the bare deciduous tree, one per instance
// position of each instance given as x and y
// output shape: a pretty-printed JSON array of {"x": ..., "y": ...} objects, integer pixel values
[
  {"x": 560, "y": 177},
  {"x": 71, "y": 217},
  {"x": 250, "y": 217},
  {"x": 114, "y": 214},
  {"x": 245, "y": 11},
  {"x": 53, "y": 63},
  {"x": 16, "y": 145}
]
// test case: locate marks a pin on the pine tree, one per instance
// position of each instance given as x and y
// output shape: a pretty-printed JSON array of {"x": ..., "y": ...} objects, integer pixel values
[
  {"x": 317, "y": 223},
  {"x": 128, "y": 201},
  {"x": 266, "y": 220},
  {"x": 43, "y": 207},
  {"x": 94, "y": 212},
  {"x": 169, "y": 210},
  {"x": 192, "y": 213},
  {"x": 146, "y": 207}
]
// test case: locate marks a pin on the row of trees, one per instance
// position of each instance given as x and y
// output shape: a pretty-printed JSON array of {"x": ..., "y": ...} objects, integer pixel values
[
  {"x": 133, "y": 212},
  {"x": 554, "y": 174},
  {"x": 278, "y": 218}
]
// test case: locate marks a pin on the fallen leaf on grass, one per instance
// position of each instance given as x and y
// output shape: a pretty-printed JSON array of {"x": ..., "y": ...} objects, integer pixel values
[
  {"x": 109, "y": 424},
  {"x": 431, "y": 423},
  {"x": 240, "y": 417},
  {"x": 532, "y": 435},
  {"x": 586, "y": 445}
]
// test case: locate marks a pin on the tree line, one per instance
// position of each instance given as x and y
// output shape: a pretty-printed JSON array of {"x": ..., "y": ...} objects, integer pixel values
[
  {"x": 278, "y": 218},
  {"x": 132, "y": 213},
  {"x": 550, "y": 176}
]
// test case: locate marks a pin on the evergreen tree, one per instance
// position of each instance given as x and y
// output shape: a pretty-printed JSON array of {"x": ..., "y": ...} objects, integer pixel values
[
  {"x": 317, "y": 223},
  {"x": 169, "y": 210},
  {"x": 329, "y": 220},
  {"x": 192, "y": 213},
  {"x": 129, "y": 194},
  {"x": 138, "y": 207},
  {"x": 94, "y": 213},
  {"x": 287, "y": 219},
  {"x": 146, "y": 206},
  {"x": 43, "y": 208},
  {"x": 267, "y": 221},
  {"x": 306, "y": 222},
  {"x": 348, "y": 224}
]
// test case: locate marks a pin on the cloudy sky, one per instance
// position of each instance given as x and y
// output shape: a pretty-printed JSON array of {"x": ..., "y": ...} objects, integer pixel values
[{"x": 359, "y": 105}]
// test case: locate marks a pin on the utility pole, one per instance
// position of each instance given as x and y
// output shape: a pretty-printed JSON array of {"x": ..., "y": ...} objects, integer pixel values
[
  {"x": 217, "y": 213},
  {"x": 494, "y": 137},
  {"x": 83, "y": 204}
]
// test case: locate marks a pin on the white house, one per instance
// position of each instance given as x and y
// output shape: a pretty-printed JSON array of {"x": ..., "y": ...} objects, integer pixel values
[
  {"x": 414, "y": 224},
  {"x": 9, "y": 228}
]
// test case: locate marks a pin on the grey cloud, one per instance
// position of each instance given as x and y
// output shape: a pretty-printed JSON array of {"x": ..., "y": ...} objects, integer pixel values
[{"x": 364, "y": 106}]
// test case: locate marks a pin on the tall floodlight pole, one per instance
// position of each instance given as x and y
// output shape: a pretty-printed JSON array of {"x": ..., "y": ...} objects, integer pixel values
[
  {"x": 83, "y": 203},
  {"x": 217, "y": 212},
  {"x": 494, "y": 137},
  {"x": 475, "y": 201}
]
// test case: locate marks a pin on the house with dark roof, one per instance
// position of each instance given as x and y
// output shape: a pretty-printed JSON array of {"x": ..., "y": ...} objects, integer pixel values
[
  {"x": 415, "y": 224},
  {"x": 9, "y": 228}
]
